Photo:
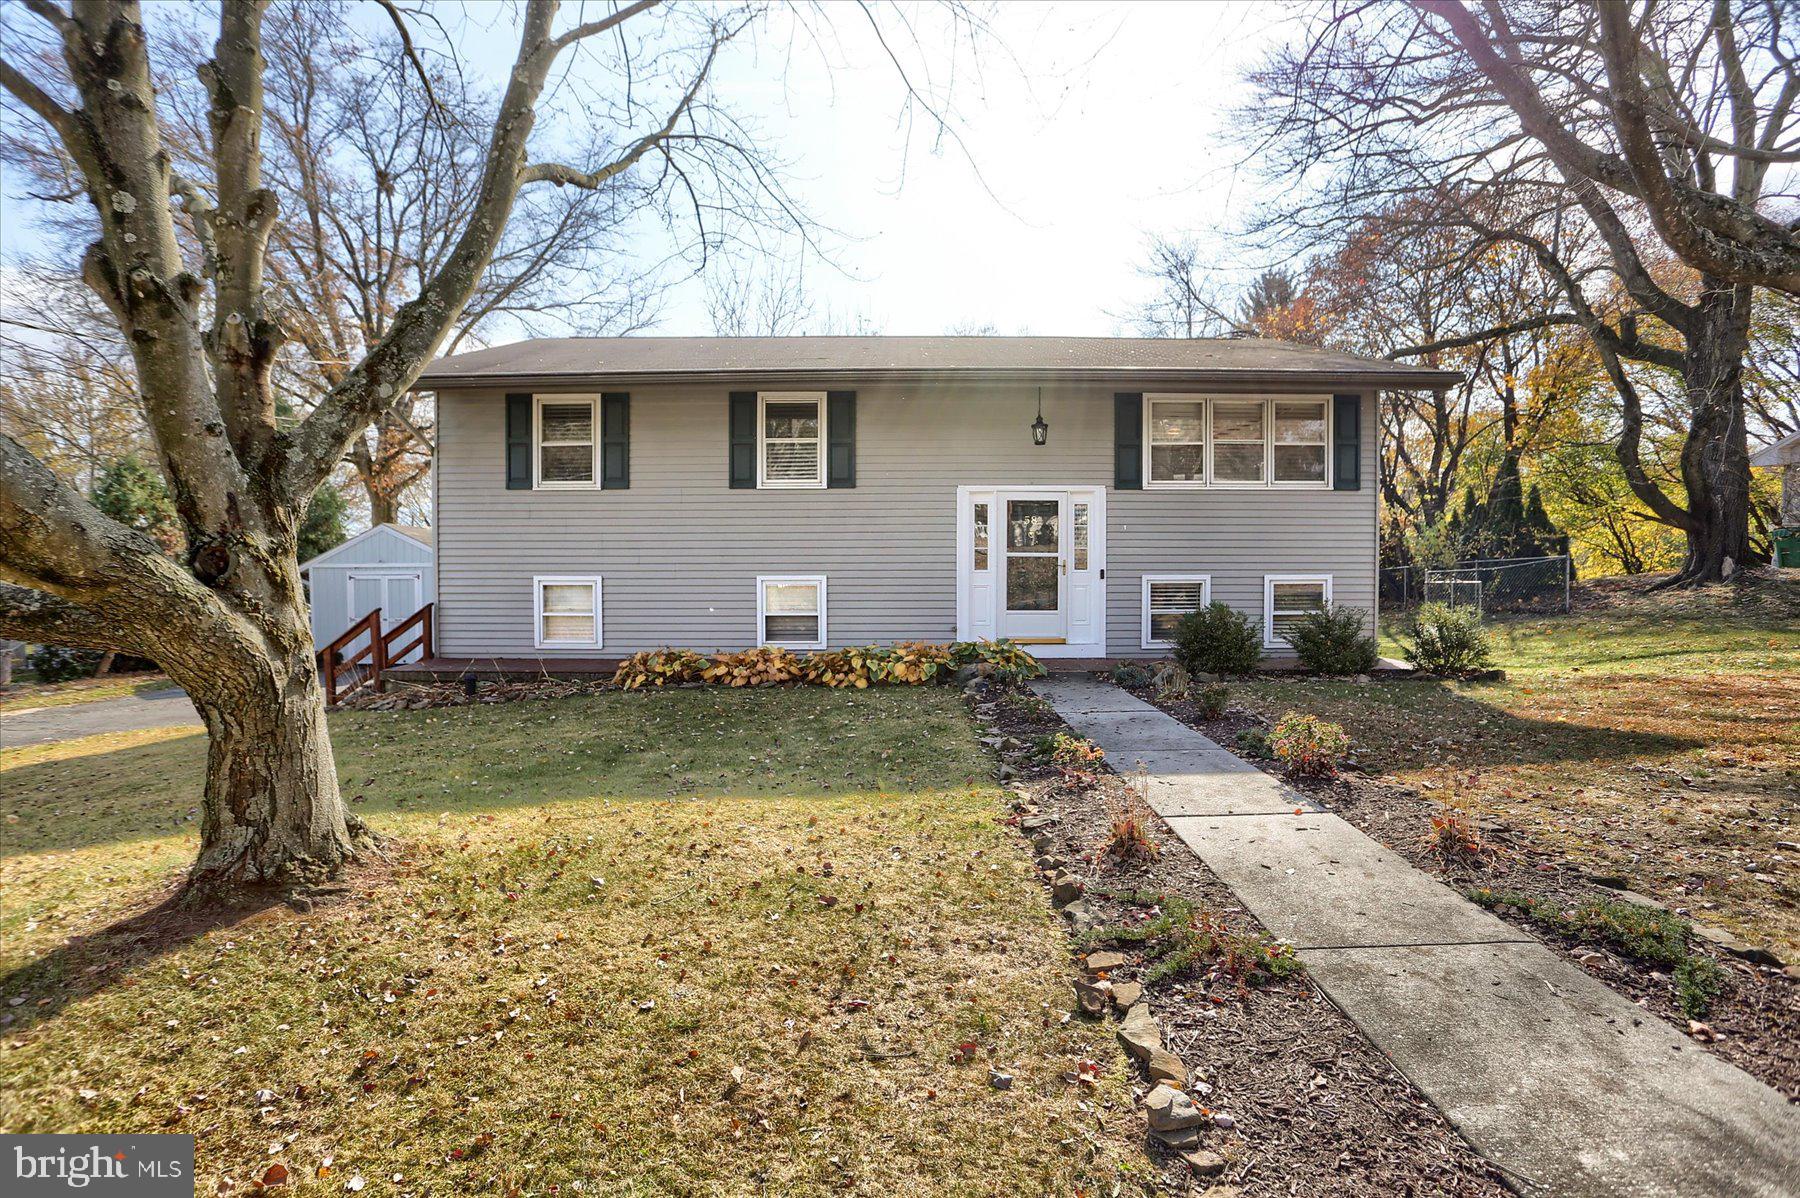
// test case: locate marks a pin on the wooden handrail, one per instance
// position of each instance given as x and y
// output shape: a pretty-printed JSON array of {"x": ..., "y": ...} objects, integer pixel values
[
  {"x": 375, "y": 651},
  {"x": 379, "y": 651},
  {"x": 420, "y": 619}
]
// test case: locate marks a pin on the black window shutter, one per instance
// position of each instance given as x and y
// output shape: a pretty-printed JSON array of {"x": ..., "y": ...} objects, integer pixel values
[
  {"x": 518, "y": 442},
  {"x": 840, "y": 449},
  {"x": 1128, "y": 441},
  {"x": 1346, "y": 419},
  {"x": 743, "y": 440},
  {"x": 615, "y": 441}
]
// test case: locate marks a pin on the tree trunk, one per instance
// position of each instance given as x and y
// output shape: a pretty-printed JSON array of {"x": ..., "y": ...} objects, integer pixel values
[
  {"x": 272, "y": 813},
  {"x": 383, "y": 507},
  {"x": 1715, "y": 458}
]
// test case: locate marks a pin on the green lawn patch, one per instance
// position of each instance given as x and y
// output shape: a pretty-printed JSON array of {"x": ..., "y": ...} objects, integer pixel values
[
  {"x": 26, "y": 695},
  {"x": 1641, "y": 933},
  {"x": 679, "y": 942}
]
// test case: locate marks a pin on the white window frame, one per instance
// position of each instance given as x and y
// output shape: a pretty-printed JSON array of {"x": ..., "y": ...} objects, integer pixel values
[
  {"x": 538, "y": 583},
  {"x": 762, "y": 612},
  {"x": 1270, "y": 640},
  {"x": 1208, "y": 479},
  {"x": 537, "y": 442},
  {"x": 1205, "y": 580},
  {"x": 763, "y": 400},
  {"x": 1185, "y": 484},
  {"x": 1324, "y": 403}
]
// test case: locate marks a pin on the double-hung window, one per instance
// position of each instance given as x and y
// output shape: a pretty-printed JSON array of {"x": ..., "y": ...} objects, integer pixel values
[
  {"x": 790, "y": 612},
  {"x": 565, "y": 442},
  {"x": 1167, "y": 598},
  {"x": 1177, "y": 441},
  {"x": 568, "y": 611},
  {"x": 1287, "y": 598},
  {"x": 1236, "y": 441},
  {"x": 790, "y": 436},
  {"x": 1240, "y": 441},
  {"x": 1300, "y": 451}
]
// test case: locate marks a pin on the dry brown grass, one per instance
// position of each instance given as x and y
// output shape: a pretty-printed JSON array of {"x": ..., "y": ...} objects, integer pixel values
[
  {"x": 1655, "y": 740},
  {"x": 663, "y": 944}
]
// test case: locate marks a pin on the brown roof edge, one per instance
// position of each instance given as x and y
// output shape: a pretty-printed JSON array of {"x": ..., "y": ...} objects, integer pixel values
[{"x": 1410, "y": 380}]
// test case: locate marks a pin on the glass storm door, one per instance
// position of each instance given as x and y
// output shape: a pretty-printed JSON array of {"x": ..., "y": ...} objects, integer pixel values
[{"x": 1033, "y": 539}]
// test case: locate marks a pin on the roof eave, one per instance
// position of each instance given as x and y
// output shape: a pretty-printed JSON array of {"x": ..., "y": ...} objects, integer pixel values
[{"x": 1412, "y": 380}]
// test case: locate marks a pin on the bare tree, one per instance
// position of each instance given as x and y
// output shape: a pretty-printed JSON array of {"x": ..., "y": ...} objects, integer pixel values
[
  {"x": 374, "y": 160},
  {"x": 1641, "y": 127},
  {"x": 204, "y": 339},
  {"x": 1184, "y": 302},
  {"x": 190, "y": 288},
  {"x": 1370, "y": 106},
  {"x": 773, "y": 302}
]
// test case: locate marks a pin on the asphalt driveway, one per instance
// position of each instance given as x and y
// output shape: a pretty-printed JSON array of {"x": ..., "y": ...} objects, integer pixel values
[{"x": 41, "y": 725}]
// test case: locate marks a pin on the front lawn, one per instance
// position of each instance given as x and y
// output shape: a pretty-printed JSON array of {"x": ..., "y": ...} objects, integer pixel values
[
  {"x": 25, "y": 695},
  {"x": 687, "y": 942},
  {"x": 1649, "y": 738}
]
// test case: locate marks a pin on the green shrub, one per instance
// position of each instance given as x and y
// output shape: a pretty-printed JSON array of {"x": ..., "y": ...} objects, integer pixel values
[
  {"x": 1442, "y": 639},
  {"x": 1209, "y": 701},
  {"x": 1217, "y": 639},
  {"x": 1253, "y": 743},
  {"x": 1647, "y": 934},
  {"x": 54, "y": 663},
  {"x": 1130, "y": 675},
  {"x": 1698, "y": 982},
  {"x": 1334, "y": 641},
  {"x": 1306, "y": 746}
]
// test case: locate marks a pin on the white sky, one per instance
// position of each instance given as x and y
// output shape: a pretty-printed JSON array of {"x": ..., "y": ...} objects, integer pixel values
[{"x": 1099, "y": 124}]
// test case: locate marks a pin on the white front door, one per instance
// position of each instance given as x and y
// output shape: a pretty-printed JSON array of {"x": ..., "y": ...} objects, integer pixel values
[{"x": 1031, "y": 567}]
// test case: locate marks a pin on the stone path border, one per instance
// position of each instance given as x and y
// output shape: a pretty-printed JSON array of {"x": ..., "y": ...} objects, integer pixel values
[{"x": 1560, "y": 1081}]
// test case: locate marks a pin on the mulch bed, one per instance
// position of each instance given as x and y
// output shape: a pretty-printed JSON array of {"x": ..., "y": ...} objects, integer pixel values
[
  {"x": 1756, "y": 1019},
  {"x": 1316, "y": 1108}
]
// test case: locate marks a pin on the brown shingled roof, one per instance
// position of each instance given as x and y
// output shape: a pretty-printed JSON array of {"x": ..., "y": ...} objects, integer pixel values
[{"x": 578, "y": 359}]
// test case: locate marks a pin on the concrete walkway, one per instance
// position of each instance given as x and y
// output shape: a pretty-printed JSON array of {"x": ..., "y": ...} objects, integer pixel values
[
  {"x": 127, "y": 713},
  {"x": 1556, "y": 1078}
]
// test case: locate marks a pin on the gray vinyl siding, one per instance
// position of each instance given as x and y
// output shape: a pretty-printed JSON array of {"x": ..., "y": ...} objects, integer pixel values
[{"x": 679, "y": 551}]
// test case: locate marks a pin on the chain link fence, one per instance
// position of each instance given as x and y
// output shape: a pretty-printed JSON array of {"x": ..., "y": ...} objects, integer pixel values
[{"x": 1504, "y": 584}]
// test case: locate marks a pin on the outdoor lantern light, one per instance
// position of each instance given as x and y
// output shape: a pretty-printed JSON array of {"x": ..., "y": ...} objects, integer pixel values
[{"x": 1040, "y": 432}]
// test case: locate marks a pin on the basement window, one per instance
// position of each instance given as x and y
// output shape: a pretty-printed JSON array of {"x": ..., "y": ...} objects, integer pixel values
[
  {"x": 1167, "y": 598},
  {"x": 790, "y": 612},
  {"x": 568, "y": 611},
  {"x": 1289, "y": 598}
]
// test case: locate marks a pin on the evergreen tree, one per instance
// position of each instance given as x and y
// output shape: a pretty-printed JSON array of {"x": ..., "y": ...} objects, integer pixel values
[
  {"x": 323, "y": 527},
  {"x": 136, "y": 495}
]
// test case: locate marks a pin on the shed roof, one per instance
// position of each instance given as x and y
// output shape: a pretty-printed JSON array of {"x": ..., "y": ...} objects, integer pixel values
[
  {"x": 1785, "y": 452},
  {"x": 599, "y": 359},
  {"x": 420, "y": 535}
]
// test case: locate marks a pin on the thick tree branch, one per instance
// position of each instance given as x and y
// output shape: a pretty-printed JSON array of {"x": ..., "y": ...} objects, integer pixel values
[
  {"x": 419, "y": 328},
  {"x": 1505, "y": 330},
  {"x": 1709, "y": 232},
  {"x": 27, "y": 614},
  {"x": 605, "y": 23},
  {"x": 551, "y": 172}
]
